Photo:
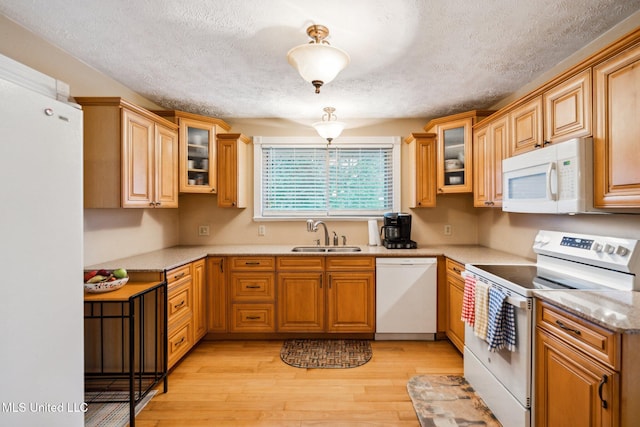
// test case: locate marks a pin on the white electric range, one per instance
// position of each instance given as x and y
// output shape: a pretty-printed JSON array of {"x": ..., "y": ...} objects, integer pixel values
[{"x": 504, "y": 379}]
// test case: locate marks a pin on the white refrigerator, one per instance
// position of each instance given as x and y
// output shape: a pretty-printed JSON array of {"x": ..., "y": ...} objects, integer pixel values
[{"x": 41, "y": 264}]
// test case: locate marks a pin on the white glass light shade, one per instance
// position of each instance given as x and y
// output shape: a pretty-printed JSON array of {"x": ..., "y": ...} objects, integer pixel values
[
  {"x": 318, "y": 62},
  {"x": 329, "y": 129}
]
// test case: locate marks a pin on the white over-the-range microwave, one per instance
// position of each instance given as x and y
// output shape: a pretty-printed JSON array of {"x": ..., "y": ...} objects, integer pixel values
[{"x": 556, "y": 179}]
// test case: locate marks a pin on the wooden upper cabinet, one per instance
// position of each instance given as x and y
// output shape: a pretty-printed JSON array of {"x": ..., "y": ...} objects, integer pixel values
[
  {"x": 232, "y": 170},
  {"x": 525, "y": 122},
  {"x": 166, "y": 167},
  {"x": 422, "y": 169},
  {"x": 198, "y": 160},
  {"x": 490, "y": 147},
  {"x": 617, "y": 131},
  {"x": 567, "y": 108},
  {"x": 130, "y": 156},
  {"x": 454, "y": 163}
]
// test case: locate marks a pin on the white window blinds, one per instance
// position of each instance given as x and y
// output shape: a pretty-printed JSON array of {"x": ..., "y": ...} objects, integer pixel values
[{"x": 351, "y": 179}]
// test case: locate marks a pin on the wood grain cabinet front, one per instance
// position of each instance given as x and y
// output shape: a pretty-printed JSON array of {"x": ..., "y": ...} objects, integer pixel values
[
  {"x": 216, "y": 294},
  {"x": 251, "y": 289},
  {"x": 454, "y": 136},
  {"x": 568, "y": 108},
  {"x": 617, "y": 108},
  {"x": 233, "y": 171},
  {"x": 585, "y": 374},
  {"x": 525, "y": 123},
  {"x": 422, "y": 169},
  {"x": 198, "y": 146},
  {"x": 187, "y": 310},
  {"x": 455, "y": 291},
  {"x": 351, "y": 294},
  {"x": 301, "y": 294},
  {"x": 130, "y": 156},
  {"x": 490, "y": 147}
]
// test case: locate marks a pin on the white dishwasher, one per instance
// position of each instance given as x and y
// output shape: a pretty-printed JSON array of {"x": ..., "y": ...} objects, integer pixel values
[{"x": 406, "y": 298}]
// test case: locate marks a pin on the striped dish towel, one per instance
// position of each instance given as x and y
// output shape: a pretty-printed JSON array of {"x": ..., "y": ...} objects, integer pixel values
[
  {"x": 502, "y": 325},
  {"x": 469, "y": 301},
  {"x": 481, "y": 310}
]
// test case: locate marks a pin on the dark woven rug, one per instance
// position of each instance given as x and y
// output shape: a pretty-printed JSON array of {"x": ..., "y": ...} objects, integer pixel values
[
  {"x": 448, "y": 400},
  {"x": 312, "y": 353}
]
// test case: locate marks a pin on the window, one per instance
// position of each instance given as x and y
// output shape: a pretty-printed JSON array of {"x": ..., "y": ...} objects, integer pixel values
[{"x": 302, "y": 177}]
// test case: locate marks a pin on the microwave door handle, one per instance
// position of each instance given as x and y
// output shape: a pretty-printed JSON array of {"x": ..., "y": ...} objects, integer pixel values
[{"x": 550, "y": 194}]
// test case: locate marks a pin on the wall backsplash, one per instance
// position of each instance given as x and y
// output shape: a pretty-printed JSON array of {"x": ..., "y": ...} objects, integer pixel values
[{"x": 514, "y": 232}]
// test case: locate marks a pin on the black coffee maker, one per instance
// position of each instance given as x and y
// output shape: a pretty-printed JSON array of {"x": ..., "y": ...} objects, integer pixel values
[{"x": 396, "y": 231}]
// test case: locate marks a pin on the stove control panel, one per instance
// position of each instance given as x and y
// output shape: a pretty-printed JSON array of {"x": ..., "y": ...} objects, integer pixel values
[{"x": 616, "y": 253}]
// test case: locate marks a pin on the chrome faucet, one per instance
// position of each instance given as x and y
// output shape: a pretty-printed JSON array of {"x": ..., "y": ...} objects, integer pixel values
[{"x": 313, "y": 226}]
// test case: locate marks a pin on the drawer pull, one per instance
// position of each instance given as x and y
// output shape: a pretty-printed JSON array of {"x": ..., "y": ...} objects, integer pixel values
[
  {"x": 177, "y": 306},
  {"x": 457, "y": 270},
  {"x": 253, "y": 317},
  {"x": 252, "y": 263},
  {"x": 179, "y": 343},
  {"x": 603, "y": 381},
  {"x": 253, "y": 286},
  {"x": 566, "y": 328},
  {"x": 179, "y": 276}
]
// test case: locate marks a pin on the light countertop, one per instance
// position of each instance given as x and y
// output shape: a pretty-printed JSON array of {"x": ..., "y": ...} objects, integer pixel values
[
  {"x": 618, "y": 311},
  {"x": 165, "y": 259}
]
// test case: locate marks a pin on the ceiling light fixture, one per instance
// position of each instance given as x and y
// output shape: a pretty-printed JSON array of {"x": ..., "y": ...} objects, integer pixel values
[
  {"x": 318, "y": 62},
  {"x": 329, "y": 127}
]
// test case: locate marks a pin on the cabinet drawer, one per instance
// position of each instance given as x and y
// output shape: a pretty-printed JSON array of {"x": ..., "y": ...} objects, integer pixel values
[
  {"x": 350, "y": 263},
  {"x": 253, "y": 318},
  {"x": 179, "y": 302},
  {"x": 178, "y": 273},
  {"x": 252, "y": 286},
  {"x": 252, "y": 263},
  {"x": 600, "y": 343},
  {"x": 300, "y": 263},
  {"x": 455, "y": 268},
  {"x": 180, "y": 341}
]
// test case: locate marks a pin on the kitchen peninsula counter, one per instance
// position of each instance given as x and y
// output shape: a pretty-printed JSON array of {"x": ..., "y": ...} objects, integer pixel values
[{"x": 165, "y": 259}]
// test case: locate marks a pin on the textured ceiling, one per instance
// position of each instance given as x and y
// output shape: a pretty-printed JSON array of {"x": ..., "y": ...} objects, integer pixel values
[{"x": 409, "y": 58}]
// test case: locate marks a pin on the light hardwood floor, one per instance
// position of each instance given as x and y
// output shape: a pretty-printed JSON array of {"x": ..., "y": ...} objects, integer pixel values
[{"x": 245, "y": 383}]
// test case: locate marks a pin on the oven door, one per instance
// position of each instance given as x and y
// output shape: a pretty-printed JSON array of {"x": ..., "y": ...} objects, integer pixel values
[{"x": 513, "y": 370}]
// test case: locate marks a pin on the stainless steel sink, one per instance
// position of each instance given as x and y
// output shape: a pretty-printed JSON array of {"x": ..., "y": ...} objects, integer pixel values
[
  {"x": 324, "y": 249},
  {"x": 344, "y": 249}
]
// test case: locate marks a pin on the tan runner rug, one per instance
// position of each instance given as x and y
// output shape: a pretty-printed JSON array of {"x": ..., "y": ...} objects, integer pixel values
[
  {"x": 313, "y": 353},
  {"x": 448, "y": 400}
]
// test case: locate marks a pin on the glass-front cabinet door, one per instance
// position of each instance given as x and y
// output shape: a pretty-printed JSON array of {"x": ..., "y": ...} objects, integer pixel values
[
  {"x": 198, "y": 143},
  {"x": 198, "y": 159},
  {"x": 454, "y": 156}
]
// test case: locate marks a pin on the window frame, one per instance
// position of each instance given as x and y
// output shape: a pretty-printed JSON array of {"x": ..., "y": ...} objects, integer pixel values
[{"x": 315, "y": 142}]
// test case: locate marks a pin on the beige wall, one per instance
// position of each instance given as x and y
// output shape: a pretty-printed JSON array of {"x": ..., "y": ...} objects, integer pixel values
[
  {"x": 108, "y": 233},
  {"x": 114, "y": 233},
  {"x": 237, "y": 225}
]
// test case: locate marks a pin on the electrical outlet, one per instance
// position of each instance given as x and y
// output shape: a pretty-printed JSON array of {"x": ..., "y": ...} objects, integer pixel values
[
  {"x": 203, "y": 230},
  {"x": 262, "y": 230},
  {"x": 447, "y": 230}
]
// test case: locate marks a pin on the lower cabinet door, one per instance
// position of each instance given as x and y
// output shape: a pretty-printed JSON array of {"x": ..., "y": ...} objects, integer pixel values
[
  {"x": 572, "y": 389},
  {"x": 300, "y": 302},
  {"x": 351, "y": 302},
  {"x": 455, "y": 326}
]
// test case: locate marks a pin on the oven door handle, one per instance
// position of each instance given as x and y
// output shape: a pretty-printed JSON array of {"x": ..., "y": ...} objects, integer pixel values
[{"x": 518, "y": 302}]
